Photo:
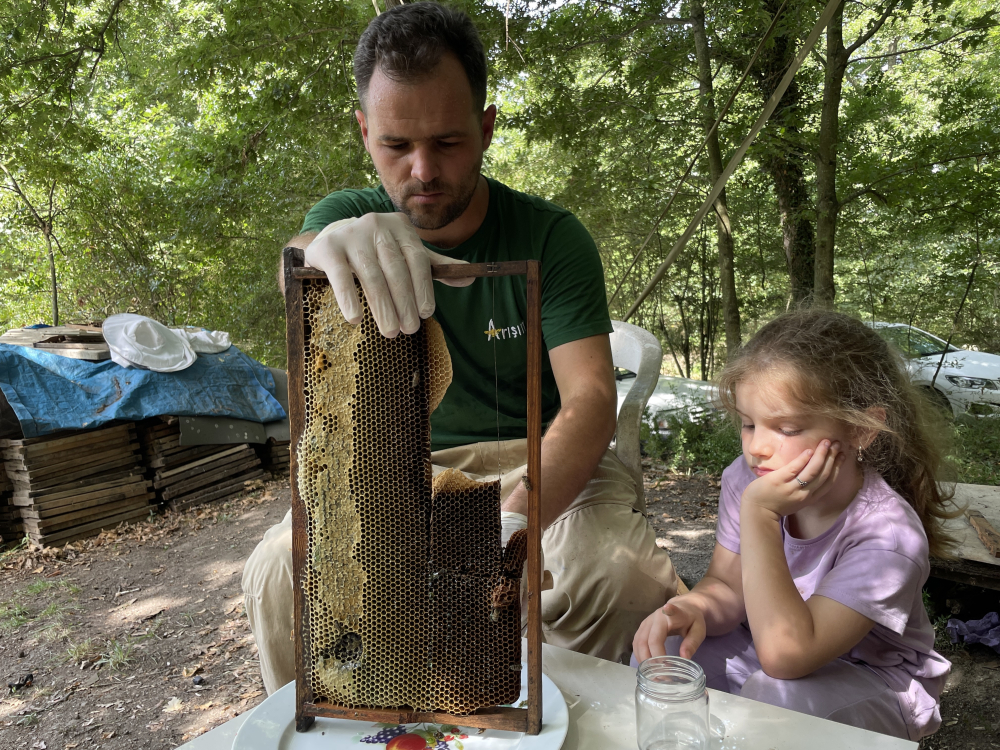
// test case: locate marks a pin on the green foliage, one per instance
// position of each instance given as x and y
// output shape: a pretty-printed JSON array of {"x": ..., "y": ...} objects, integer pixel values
[
  {"x": 977, "y": 443},
  {"x": 696, "y": 441},
  {"x": 43, "y": 603},
  {"x": 117, "y": 654},
  {"x": 163, "y": 153}
]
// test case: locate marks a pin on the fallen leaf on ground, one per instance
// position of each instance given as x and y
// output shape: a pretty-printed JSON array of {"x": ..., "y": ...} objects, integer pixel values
[
  {"x": 191, "y": 671},
  {"x": 174, "y": 705}
]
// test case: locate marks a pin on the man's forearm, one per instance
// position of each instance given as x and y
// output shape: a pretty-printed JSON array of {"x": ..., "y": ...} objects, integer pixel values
[
  {"x": 300, "y": 241},
  {"x": 573, "y": 446}
]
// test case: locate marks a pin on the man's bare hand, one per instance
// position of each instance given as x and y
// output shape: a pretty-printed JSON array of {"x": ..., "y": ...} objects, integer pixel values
[{"x": 386, "y": 254}]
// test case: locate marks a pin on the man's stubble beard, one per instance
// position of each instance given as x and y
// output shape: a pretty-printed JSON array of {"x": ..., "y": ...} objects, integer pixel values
[{"x": 447, "y": 213}]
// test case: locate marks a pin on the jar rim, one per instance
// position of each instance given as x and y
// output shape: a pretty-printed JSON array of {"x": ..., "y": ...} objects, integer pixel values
[{"x": 671, "y": 678}]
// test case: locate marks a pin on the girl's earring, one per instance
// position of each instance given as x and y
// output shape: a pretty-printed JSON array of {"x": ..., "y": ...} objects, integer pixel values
[{"x": 861, "y": 456}]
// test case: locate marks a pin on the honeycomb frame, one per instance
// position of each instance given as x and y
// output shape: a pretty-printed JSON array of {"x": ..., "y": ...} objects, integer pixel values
[{"x": 449, "y": 670}]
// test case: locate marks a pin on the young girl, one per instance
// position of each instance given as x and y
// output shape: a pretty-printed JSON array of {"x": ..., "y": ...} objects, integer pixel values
[{"x": 812, "y": 600}]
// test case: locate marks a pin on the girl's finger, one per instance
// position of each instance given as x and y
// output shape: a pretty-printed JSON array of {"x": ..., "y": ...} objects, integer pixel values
[
  {"x": 820, "y": 474},
  {"x": 797, "y": 464},
  {"x": 812, "y": 472},
  {"x": 640, "y": 643},
  {"x": 693, "y": 638}
]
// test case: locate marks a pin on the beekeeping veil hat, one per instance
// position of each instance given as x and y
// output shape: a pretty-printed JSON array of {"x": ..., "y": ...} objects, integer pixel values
[{"x": 138, "y": 341}]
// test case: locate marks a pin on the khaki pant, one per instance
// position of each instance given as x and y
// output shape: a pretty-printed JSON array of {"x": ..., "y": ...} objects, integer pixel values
[{"x": 607, "y": 572}]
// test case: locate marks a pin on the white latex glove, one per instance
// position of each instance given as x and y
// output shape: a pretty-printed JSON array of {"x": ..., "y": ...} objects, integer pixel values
[
  {"x": 509, "y": 523},
  {"x": 392, "y": 264}
]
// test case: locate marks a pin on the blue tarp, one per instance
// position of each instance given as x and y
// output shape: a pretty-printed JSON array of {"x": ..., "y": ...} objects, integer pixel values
[{"x": 49, "y": 393}]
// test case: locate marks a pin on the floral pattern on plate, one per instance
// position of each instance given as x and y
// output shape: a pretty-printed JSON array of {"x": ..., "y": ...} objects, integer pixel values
[{"x": 416, "y": 736}]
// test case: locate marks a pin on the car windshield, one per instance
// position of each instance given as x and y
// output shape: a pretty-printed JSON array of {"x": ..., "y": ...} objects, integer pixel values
[{"x": 913, "y": 343}]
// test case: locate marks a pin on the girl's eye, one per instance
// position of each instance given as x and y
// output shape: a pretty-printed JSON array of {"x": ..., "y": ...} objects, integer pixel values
[
  {"x": 748, "y": 427},
  {"x": 790, "y": 433}
]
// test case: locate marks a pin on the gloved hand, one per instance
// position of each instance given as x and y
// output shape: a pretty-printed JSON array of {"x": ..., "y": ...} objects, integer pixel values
[
  {"x": 392, "y": 264},
  {"x": 509, "y": 523}
]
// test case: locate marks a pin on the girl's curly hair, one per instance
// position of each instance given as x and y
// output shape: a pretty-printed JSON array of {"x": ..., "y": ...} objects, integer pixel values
[{"x": 838, "y": 367}]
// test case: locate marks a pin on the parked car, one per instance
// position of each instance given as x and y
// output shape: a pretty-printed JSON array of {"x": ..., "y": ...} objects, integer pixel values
[
  {"x": 968, "y": 381},
  {"x": 672, "y": 394}
]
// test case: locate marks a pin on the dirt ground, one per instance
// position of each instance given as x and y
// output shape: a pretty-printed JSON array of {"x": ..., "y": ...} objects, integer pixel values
[{"x": 138, "y": 638}]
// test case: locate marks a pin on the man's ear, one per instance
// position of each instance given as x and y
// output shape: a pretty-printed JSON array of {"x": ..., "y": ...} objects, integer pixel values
[
  {"x": 867, "y": 437},
  {"x": 363, "y": 122},
  {"x": 489, "y": 122}
]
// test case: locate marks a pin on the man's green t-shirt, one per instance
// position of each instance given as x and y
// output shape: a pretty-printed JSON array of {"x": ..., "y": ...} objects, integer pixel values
[{"x": 484, "y": 323}]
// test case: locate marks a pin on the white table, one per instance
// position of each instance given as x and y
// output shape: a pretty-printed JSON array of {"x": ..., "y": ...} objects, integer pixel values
[{"x": 601, "y": 700}]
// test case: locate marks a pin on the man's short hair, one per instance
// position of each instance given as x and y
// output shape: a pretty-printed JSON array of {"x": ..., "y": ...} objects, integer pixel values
[{"x": 407, "y": 42}]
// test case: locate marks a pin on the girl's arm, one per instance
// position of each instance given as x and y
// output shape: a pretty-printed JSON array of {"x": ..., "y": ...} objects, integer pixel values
[
  {"x": 719, "y": 595},
  {"x": 792, "y": 637},
  {"x": 713, "y": 607}
]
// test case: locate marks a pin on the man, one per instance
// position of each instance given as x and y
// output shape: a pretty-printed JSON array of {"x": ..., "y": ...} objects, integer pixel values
[{"x": 421, "y": 76}]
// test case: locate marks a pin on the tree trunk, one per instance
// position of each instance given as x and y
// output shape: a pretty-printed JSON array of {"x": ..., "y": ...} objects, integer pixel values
[
  {"x": 827, "y": 205},
  {"x": 784, "y": 161},
  {"x": 52, "y": 275},
  {"x": 727, "y": 273}
]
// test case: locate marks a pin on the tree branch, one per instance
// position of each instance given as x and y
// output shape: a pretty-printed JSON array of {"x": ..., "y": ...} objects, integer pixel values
[
  {"x": 878, "y": 24},
  {"x": 641, "y": 25},
  {"x": 914, "y": 49},
  {"x": 869, "y": 188}
]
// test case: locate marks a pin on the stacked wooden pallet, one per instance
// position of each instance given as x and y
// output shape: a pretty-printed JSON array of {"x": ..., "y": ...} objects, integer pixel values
[
  {"x": 72, "y": 485},
  {"x": 11, "y": 526},
  {"x": 274, "y": 456},
  {"x": 190, "y": 475}
]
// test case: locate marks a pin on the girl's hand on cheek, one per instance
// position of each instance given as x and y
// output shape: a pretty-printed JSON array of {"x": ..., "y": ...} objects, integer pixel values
[{"x": 798, "y": 484}]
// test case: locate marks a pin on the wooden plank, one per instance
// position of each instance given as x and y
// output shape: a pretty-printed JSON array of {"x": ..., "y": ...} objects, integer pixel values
[
  {"x": 43, "y": 460},
  {"x": 85, "y": 354},
  {"x": 159, "y": 430},
  {"x": 84, "y": 517},
  {"x": 26, "y": 496},
  {"x": 83, "y": 458},
  {"x": 60, "y": 440},
  {"x": 93, "y": 346},
  {"x": 162, "y": 444},
  {"x": 295, "y": 343},
  {"x": 987, "y": 534},
  {"x": 183, "y": 474},
  {"x": 89, "y": 530},
  {"x": 534, "y": 486},
  {"x": 219, "y": 492},
  {"x": 208, "y": 478},
  {"x": 171, "y": 462},
  {"x": 463, "y": 271},
  {"x": 76, "y": 502},
  {"x": 504, "y": 718},
  {"x": 131, "y": 460},
  {"x": 969, "y": 572},
  {"x": 231, "y": 451}
]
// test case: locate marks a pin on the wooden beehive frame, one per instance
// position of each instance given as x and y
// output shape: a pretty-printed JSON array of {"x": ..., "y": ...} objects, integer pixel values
[{"x": 529, "y": 719}]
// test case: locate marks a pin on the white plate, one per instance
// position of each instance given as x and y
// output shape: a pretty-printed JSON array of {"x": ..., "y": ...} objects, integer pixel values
[{"x": 271, "y": 726}]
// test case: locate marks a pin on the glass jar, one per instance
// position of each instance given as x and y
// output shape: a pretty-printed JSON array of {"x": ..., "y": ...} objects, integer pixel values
[{"x": 671, "y": 705}]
